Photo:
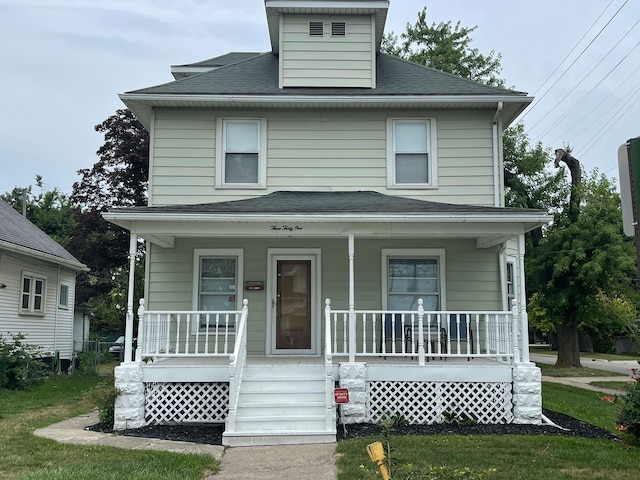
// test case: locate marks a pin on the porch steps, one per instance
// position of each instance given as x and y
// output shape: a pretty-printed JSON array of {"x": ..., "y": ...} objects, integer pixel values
[{"x": 280, "y": 406}]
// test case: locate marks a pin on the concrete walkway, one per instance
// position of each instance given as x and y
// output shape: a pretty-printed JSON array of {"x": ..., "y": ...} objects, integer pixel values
[{"x": 311, "y": 462}]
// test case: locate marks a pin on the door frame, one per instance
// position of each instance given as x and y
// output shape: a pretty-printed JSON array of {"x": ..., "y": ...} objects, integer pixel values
[{"x": 314, "y": 255}]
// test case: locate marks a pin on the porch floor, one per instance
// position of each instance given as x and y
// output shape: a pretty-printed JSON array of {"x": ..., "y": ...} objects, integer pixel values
[{"x": 303, "y": 360}]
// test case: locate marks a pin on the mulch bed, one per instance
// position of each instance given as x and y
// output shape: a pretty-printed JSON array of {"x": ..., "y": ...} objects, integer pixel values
[{"x": 212, "y": 434}]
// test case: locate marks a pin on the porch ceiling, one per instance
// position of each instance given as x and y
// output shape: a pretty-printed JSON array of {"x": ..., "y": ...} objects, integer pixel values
[{"x": 328, "y": 214}]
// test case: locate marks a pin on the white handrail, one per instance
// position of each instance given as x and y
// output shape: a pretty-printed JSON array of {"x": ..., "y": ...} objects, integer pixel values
[
  {"x": 328, "y": 369},
  {"x": 237, "y": 362}
]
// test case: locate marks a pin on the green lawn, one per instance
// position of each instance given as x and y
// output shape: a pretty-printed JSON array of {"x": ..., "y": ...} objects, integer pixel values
[
  {"x": 27, "y": 457},
  {"x": 553, "y": 371},
  {"x": 544, "y": 349},
  {"x": 514, "y": 457}
]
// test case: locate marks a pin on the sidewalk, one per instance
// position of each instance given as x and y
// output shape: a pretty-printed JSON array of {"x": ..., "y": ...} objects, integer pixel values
[{"x": 311, "y": 462}]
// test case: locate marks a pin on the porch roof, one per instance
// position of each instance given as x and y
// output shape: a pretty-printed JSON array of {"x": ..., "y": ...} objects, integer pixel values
[{"x": 369, "y": 213}]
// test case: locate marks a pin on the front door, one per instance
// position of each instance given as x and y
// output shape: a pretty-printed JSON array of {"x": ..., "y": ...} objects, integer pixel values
[{"x": 293, "y": 306}]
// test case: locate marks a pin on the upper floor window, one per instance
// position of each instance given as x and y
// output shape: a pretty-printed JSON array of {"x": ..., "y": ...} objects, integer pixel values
[
  {"x": 241, "y": 153},
  {"x": 411, "y": 153},
  {"x": 32, "y": 295}
]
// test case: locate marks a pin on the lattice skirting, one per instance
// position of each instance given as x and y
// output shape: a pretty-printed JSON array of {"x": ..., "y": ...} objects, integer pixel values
[
  {"x": 186, "y": 402},
  {"x": 435, "y": 402}
]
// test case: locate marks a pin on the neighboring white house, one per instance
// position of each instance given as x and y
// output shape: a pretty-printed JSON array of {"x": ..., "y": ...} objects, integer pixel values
[
  {"x": 37, "y": 286},
  {"x": 324, "y": 215}
]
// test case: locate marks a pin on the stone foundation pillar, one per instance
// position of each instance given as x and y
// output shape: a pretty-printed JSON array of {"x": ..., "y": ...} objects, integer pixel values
[
  {"x": 527, "y": 394},
  {"x": 129, "y": 406},
  {"x": 353, "y": 377}
]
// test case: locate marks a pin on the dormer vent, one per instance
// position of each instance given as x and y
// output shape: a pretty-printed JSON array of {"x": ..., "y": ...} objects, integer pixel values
[
  {"x": 316, "y": 29},
  {"x": 338, "y": 29}
]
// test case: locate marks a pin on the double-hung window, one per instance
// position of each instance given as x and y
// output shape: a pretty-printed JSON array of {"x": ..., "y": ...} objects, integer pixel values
[
  {"x": 411, "y": 153},
  {"x": 218, "y": 275},
  {"x": 32, "y": 295},
  {"x": 412, "y": 275},
  {"x": 241, "y": 153}
]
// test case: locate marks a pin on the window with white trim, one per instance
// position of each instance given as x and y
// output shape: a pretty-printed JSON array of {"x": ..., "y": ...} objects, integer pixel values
[
  {"x": 241, "y": 153},
  {"x": 218, "y": 276},
  {"x": 511, "y": 285},
  {"x": 411, "y": 275},
  {"x": 63, "y": 296},
  {"x": 411, "y": 153},
  {"x": 32, "y": 294}
]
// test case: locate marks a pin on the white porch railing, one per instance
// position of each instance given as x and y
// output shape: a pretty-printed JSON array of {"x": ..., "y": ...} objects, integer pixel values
[
  {"x": 188, "y": 333},
  {"x": 424, "y": 334}
]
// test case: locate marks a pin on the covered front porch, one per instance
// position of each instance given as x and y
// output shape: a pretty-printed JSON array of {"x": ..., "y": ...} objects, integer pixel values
[{"x": 413, "y": 307}]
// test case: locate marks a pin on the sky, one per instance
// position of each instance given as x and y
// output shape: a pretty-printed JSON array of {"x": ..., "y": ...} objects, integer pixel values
[{"x": 64, "y": 62}]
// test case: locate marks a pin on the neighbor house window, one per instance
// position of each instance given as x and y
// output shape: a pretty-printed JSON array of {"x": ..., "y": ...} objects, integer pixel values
[
  {"x": 218, "y": 280},
  {"x": 32, "y": 296},
  {"x": 241, "y": 157},
  {"x": 410, "y": 275},
  {"x": 411, "y": 147},
  {"x": 63, "y": 296}
]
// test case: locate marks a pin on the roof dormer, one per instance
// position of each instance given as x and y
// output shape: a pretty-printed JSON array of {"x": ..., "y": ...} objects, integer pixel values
[{"x": 326, "y": 43}]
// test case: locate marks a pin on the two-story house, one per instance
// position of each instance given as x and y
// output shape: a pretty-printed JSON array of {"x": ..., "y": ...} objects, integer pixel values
[{"x": 324, "y": 215}]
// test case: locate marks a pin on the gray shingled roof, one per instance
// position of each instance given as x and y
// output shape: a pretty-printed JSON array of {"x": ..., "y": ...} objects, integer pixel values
[
  {"x": 258, "y": 75},
  {"x": 290, "y": 202},
  {"x": 17, "y": 230},
  {"x": 222, "y": 60}
]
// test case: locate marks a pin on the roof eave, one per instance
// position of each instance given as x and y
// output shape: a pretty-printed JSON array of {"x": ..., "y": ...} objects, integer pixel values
[
  {"x": 141, "y": 104},
  {"x": 77, "y": 266}
]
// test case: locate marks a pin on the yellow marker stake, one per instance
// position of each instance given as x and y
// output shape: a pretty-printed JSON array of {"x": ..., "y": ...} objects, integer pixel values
[{"x": 376, "y": 453}]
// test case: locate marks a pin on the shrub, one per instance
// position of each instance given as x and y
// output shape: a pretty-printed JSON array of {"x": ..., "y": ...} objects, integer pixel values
[
  {"x": 20, "y": 363},
  {"x": 629, "y": 416},
  {"x": 104, "y": 398}
]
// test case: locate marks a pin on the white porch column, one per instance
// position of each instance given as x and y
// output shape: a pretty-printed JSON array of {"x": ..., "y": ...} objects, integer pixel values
[
  {"x": 522, "y": 295},
  {"x": 527, "y": 377},
  {"x": 352, "y": 302},
  {"x": 129, "y": 405},
  {"x": 128, "y": 329}
]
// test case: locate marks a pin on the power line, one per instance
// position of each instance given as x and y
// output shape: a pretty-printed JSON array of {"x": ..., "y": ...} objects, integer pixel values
[
  {"x": 586, "y": 95},
  {"x": 561, "y": 62},
  {"x": 574, "y": 62}
]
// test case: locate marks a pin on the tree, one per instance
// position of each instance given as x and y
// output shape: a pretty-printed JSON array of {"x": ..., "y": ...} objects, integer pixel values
[
  {"x": 117, "y": 179},
  {"x": 581, "y": 266},
  {"x": 445, "y": 47},
  {"x": 50, "y": 210}
]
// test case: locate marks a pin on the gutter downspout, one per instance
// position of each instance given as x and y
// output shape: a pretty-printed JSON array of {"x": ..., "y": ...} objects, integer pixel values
[
  {"x": 496, "y": 135},
  {"x": 55, "y": 316}
]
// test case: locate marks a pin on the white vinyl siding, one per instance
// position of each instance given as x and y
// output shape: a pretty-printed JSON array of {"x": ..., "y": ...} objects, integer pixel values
[
  {"x": 53, "y": 330},
  {"x": 320, "y": 150},
  {"x": 331, "y": 59}
]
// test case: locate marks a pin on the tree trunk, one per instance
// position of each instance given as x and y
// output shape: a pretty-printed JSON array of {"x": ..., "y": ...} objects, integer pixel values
[{"x": 568, "y": 345}]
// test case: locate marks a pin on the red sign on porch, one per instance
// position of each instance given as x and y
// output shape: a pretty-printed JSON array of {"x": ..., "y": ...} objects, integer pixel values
[{"x": 341, "y": 395}]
